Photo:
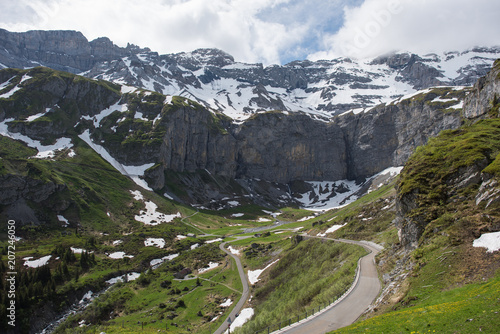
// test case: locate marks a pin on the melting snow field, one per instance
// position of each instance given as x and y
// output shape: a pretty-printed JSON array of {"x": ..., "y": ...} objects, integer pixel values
[
  {"x": 320, "y": 198},
  {"x": 227, "y": 303},
  {"x": 36, "y": 263},
  {"x": 213, "y": 240},
  {"x": 157, "y": 242},
  {"x": 119, "y": 255},
  {"x": 253, "y": 275},
  {"x": 130, "y": 277},
  {"x": 155, "y": 263},
  {"x": 330, "y": 230},
  {"x": 211, "y": 265},
  {"x": 134, "y": 172},
  {"x": 44, "y": 151},
  {"x": 63, "y": 220},
  {"x": 490, "y": 241},
  {"x": 77, "y": 250},
  {"x": 245, "y": 315},
  {"x": 151, "y": 216},
  {"x": 233, "y": 251}
]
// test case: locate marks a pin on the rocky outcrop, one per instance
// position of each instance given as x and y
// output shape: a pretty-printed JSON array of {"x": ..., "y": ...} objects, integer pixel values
[
  {"x": 61, "y": 50},
  {"x": 281, "y": 148},
  {"x": 196, "y": 139},
  {"x": 413, "y": 69},
  {"x": 16, "y": 191},
  {"x": 65, "y": 98},
  {"x": 484, "y": 97}
]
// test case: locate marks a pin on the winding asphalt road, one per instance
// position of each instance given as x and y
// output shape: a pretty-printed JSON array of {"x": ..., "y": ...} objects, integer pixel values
[
  {"x": 353, "y": 305},
  {"x": 340, "y": 314},
  {"x": 244, "y": 295}
]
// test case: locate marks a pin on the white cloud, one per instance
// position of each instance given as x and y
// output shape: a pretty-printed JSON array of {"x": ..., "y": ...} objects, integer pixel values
[
  {"x": 380, "y": 26},
  {"x": 166, "y": 26},
  {"x": 268, "y": 31}
]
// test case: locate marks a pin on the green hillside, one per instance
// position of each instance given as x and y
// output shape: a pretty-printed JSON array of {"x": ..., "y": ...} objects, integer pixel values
[{"x": 450, "y": 286}]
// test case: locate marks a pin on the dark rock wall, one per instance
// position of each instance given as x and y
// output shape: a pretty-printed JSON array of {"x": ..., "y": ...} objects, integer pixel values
[{"x": 60, "y": 49}]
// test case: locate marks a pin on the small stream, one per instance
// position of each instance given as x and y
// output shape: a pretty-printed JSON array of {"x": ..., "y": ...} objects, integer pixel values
[{"x": 86, "y": 300}]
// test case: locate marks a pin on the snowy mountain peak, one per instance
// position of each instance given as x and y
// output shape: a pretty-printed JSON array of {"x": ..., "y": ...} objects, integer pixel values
[
  {"x": 325, "y": 88},
  {"x": 214, "y": 79}
]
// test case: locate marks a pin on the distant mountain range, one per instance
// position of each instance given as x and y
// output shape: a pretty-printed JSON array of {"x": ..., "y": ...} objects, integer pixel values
[{"x": 214, "y": 79}]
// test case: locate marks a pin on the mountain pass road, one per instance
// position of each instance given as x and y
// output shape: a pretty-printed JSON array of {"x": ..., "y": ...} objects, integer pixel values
[{"x": 352, "y": 306}]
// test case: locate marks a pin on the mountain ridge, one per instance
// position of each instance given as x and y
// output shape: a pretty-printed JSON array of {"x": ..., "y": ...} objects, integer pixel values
[
  {"x": 272, "y": 152},
  {"x": 214, "y": 79},
  {"x": 153, "y": 134}
]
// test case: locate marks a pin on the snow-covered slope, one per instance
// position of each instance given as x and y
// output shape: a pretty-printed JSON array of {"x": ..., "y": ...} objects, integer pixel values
[
  {"x": 214, "y": 79},
  {"x": 322, "y": 88}
]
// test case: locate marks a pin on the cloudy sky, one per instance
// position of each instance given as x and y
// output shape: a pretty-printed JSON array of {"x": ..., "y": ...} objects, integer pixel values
[{"x": 269, "y": 31}]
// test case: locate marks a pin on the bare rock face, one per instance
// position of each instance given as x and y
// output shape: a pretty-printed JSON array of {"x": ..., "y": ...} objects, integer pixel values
[
  {"x": 484, "y": 95},
  {"x": 196, "y": 140},
  {"x": 413, "y": 69},
  {"x": 282, "y": 148},
  {"x": 59, "y": 49}
]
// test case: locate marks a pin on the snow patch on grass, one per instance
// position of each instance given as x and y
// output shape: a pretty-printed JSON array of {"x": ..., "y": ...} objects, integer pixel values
[
  {"x": 119, "y": 255},
  {"x": 227, "y": 303},
  {"x": 127, "y": 277},
  {"x": 152, "y": 217},
  {"x": 253, "y": 275},
  {"x": 490, "y": 241},
  {"x": 37, "y": 263},
  {"x": 157, "y": 242},
  {"x": 213, "y": 240},
  {"x": 245, "y": 315},
  {"x": 155, "y": 263},
  {"x": 331, "y": 230},
  {"x": 233, "y": 250},
  {"x": 211, "y": 265}
]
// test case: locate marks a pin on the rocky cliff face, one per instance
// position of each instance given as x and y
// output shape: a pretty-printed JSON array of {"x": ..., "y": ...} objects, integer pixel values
[
  {"x": 285, "y": 148},
  {"x": 61, "y": 50},
  {"x": 138, "y": 127},
  {"x": 484, "y": 97}
]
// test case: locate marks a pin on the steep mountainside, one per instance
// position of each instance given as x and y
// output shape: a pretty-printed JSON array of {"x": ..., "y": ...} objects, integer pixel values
[
  {"x": 457, "y": 161},
  {"x": 62, "y": 50},
  {"x": 215, "y": 80},
  {"x": 158, "y": 139}
]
